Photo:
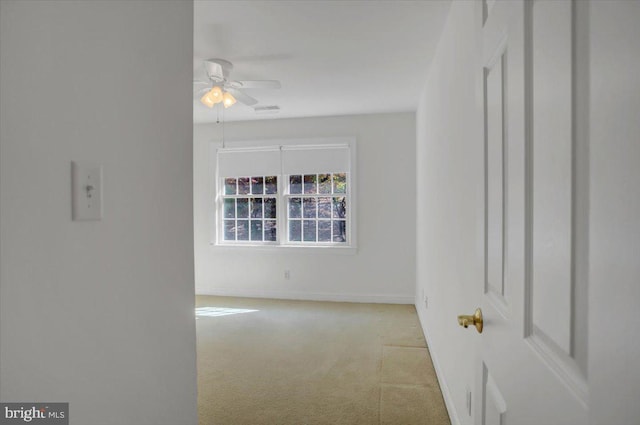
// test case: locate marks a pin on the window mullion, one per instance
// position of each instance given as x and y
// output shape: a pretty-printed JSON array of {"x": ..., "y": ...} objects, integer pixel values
[
  {"x": 316, "y": 202},
  {"x": 235, "y": 217},
  {"x": 281, "y": 211}
]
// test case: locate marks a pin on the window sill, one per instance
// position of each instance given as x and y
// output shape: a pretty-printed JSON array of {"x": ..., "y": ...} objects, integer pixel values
[{"x": 289, "y": 249}]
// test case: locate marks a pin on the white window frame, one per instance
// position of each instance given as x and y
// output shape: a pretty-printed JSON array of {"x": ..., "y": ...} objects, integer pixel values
[
  {"x": 249, "y": 196},
  {"x": 286, "y": 219},
  {"x": 282, "y": 196}
]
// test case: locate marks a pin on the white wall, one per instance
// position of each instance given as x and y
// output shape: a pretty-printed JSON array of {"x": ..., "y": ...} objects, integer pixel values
[
  {"x": 99, "y": 314},
  {"x": 449, "y": 205},
  {"x": 614, "y": 269},
  {"x": 382, "y": 269}
]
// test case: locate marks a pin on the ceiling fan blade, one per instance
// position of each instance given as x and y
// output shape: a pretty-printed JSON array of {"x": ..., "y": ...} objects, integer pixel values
[
  {"x": 256, "y": 84},
  {"x": 201, "y": 91},
  {"x": 241, "y": 97}
]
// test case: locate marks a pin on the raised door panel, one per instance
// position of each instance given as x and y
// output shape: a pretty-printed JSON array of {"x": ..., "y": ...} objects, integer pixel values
[
  {"x": 494, "y": 85},
  {"x": 552, "y": 172},
  {"x": 494, "y": 407}
]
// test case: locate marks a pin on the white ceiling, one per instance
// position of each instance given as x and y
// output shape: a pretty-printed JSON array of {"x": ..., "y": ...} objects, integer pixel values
[{"x": 332, "y": 57}]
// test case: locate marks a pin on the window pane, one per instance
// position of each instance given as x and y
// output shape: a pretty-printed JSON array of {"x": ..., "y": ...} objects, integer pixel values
[
  {"x": 270, "y": 230},
  {"x": 270, "y": 208},
  {"x": 229, "y": 208},
  {"x": 339, "y": 231},
  {"x": 295, "y": 231},
  {"x": 309, "y": 233},
  {"x": 230, "y": 186},
  {"x": 324, "y": 207},
  {"x": 229, "y": 230},
  {"x": 243, "y": 230},
  {"x": 324, "y": 183},
  {"x": 256, "y": 230},
  {"x": 295, "y": 184},
  {"x": 295, "y": 207},
  {"x": 243, "y": 207},
  {"x": 340, "y": 183},
  {"x": 243, "y": 185},
  {"x": 310, "y": 183},
  {"x": 256, "y": 208},
  {"x": 309, "y": 207},
  {"x": 271, "y": 185},
  {"x": 257, "y": 185},
  {"x": 340, "y": 207},
  {"x": 324, "y": 231}
]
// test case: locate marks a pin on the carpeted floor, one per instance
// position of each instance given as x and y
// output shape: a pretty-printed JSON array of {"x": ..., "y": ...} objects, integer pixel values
[{"x": 276, "y": 362}]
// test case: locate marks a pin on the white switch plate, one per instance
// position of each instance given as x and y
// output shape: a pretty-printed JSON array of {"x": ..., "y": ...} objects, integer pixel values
[{"x": 86, "y": 181}]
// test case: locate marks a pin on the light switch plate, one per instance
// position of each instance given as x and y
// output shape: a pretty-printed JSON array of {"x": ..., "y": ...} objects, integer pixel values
[{"x": 86, "y": 181}]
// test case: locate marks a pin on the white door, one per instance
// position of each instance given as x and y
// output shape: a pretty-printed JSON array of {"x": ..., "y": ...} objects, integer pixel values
[{"x": 531, "y": 357}]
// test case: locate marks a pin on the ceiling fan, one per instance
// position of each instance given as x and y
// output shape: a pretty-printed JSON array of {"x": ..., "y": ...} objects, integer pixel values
[{"x": 221, "y": 89}]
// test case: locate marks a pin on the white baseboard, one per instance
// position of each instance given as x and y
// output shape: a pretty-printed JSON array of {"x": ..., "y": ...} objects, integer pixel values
[
  {"x": 308, "y": 296},
  {"x": 446, "y": 393}
]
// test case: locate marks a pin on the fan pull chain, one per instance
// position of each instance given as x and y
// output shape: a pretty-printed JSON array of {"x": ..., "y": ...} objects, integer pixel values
[{"x": 218, "y": 122}]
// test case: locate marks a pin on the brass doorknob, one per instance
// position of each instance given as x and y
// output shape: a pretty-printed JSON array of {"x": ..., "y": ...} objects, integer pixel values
[{"x": 475, "y": 320}]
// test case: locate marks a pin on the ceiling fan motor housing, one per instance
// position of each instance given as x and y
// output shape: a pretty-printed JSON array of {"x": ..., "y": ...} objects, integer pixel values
[{"x": 217, "y": 69}]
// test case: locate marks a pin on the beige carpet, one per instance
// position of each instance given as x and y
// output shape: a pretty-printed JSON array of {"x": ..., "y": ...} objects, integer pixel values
[{"x": 304, "y": 363}]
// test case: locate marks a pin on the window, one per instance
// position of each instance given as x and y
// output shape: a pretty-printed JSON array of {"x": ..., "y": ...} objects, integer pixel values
[
  {"x": 317, "y": 208},
  {"x": 286, "y": 195},
  {"x": 249, "y": 208}
]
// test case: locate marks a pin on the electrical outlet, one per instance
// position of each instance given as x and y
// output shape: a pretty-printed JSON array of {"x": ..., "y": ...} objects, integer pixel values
[
  {"x": 287, "y": 274},
  {"x": 424, "y": 298}
]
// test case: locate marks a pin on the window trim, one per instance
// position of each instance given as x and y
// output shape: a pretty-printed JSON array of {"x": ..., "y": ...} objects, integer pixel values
[{"x": 282, "y": 244}]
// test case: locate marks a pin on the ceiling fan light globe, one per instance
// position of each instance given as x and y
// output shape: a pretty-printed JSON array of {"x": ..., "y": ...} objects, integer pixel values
[
  {"x": 228, "y": 100},
  {"x": 207, "y": 100},
  {"x": 212, "y": 97},
  {"x": 216, "y": 94}
]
